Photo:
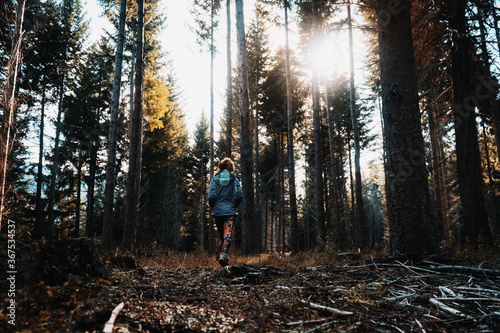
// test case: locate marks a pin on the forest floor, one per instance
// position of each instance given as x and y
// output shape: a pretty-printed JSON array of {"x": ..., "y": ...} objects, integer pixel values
[{"x": 309, "y": 292}]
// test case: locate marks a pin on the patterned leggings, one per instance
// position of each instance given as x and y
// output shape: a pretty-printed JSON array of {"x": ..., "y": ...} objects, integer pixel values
[{"x": 225, "y": 229}]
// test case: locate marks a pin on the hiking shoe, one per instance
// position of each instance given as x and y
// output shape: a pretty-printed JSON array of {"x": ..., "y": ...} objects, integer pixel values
[{"x": 224, "y": 259}]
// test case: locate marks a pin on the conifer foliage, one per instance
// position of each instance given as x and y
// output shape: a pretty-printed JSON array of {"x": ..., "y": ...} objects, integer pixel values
[{"x": 353, "y": 125}]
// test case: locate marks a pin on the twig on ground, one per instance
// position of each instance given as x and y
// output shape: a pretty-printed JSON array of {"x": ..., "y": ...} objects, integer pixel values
[
  {"x": 408, "y": 268},
  {"x": 446, "y": 308},
  {"x": 307, "y": 322},
  {"x": 108, "y": 327},
  {"x": 464, "y": 269},
  {"x": 327, "y": 308},
  {"x": 447, "y": 291},
  {"x": 479, "y": 289},
  {"x": 420, "y": 325},
  {"x": 401, "y": 297},
  {"x": 467, "y": 299},
  {"x": 320, "y": 327}
]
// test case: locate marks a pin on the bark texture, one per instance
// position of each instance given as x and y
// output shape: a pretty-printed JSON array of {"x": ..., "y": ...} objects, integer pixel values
[{"x": 411, "y": 218}]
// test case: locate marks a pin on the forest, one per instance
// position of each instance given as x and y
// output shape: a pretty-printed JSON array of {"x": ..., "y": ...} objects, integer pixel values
[{"x": 370, "y": 192}]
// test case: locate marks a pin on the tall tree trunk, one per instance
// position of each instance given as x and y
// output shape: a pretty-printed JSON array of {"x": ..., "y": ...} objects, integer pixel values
[
  {"x": 470, "y": 180},
  {"x": 282, "y": 190},
  {"x": 496, "y": 107},
  {"x": 318, "y": 175},
  {"x": 439, "y": 182},
  {"x": 90, "y": 226},
  {"x": 334, "y": 175},
  {"x": 229, "y": 105},
  {"x": 202, "y": 202},
  {"x": 291, "y": 157},
  {"x": 279, "y": 194},
  {"x": 346, "y": 216},
  {"x": 107, "y": 223},
  {"x": 78, "y": 194},
  {"x": 211, "y": 238},
  {"x": 55, "y": 163},
  {"x": 487, "y": 97},
  {"x": 352, "y": 214},
  {"x": 133, "y": 177},
  {"x": 360, "y": 207},
  {"x": 258, "y": 209},
  {"x": 39, "y": 176},
  {"x": 412, "y": 223},
  {"x": 13, "y": 65},
  {"x": 251, "y": 227}
]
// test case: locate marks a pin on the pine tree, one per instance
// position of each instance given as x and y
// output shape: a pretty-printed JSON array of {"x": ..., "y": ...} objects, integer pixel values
[
  {"x": 134, "y": 173},
  {"x": 107, "y": 229},
  {"x": 8, "y": 101},
  {"x": 251, "y": 232},
  {"x": 467, "y": 146},
  {"x": 69, "y": 51},
  {"x": 412, "y": 231}
]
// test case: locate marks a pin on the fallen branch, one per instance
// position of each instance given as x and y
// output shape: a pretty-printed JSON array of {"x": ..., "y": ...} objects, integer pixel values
[
  {"x": 446, "y": 308},
  {"x": 307, "y": 322},
  {"x": 108, "y": 327},
  {"x": 397, "y": 298},
  {"x": 408, "y": 268},
  {"x": 468, "y": 299},
  {"x": 479, "y": 289},
  {"x": 320, "y": 327},
  {"x": 420, "y": 325},
  {"x": 465, "y": 269},
  {"x": 447, "y": 291},
  {"x": 327, "y": 308}
]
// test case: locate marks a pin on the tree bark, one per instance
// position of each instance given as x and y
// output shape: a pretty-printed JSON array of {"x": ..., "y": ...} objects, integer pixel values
[
  {"x": 487, "y": 98},
  {"x": 411, "y": 219},
  {"x": 39, "y": 177},
  {"x": 258, "y": 209},
  {"x": 360, "y": 207},
  {"x": 318, "y": 174},
  {"x": 107, "y": 223},
  {"x": 291, "y": 157},
  {"x": 78, "y": 193},
  {"x": 13, "y": 65},
  {"x": 211, "y": 238},
  {"x": 90, "y": 227},
  {"x": 133, "y": 177},
  {"x": 55, "y": 164},
  {"x": 229, "y": 105},
  {"x": 437, "y": 174},
  {"x": 251, "y": 228},
  {"x": 470, "y": 180}
]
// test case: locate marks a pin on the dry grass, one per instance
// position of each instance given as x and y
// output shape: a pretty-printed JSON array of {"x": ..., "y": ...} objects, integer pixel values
[{"x": 198, "y": 259}]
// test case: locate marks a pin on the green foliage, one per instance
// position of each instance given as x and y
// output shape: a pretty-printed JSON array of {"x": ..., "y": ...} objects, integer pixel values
[
  {"x": 205, "y": 17},
  {"x": 197, "y": 164}
]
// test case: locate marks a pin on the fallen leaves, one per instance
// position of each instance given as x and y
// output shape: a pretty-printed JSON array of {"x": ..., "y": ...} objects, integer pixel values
[{"x": 348, "y": 296}]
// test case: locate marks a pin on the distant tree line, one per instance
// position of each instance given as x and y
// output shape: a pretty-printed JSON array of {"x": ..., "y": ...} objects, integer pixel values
[{"x": 95, "y": 143}]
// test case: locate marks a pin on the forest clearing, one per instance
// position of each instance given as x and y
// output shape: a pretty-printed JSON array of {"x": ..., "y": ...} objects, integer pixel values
[{"x": 308, "y": 292}]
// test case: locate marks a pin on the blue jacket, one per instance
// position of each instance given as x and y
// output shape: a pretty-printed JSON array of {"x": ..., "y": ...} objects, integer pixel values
[{"x": 224, "y": 194}]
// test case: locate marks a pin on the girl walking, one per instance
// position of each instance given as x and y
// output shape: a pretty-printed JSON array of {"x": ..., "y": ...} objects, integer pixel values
[{"x": 224, "y": 197}]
